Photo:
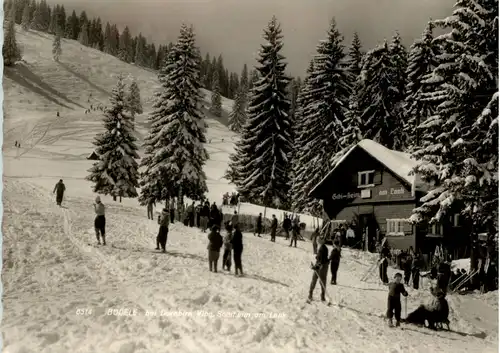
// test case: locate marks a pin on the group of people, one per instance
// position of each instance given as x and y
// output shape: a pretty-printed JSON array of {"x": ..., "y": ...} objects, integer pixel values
[
  {"x": 287, "y": 226},
  {"x": 17, "y": 144},
  {"x": 230, "y": 200},
  {"x": 232, "y": 243}
]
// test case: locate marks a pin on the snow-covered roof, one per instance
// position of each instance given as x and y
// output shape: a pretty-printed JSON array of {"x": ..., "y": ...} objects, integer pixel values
[{"x": 400, "y": 163}]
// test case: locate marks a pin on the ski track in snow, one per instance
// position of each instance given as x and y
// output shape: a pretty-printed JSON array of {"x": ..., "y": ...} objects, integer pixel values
[{"x": 51, "y": 271}]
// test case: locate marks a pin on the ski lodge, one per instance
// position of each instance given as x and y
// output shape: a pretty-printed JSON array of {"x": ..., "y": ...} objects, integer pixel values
[{"x": 372, "y": 189}]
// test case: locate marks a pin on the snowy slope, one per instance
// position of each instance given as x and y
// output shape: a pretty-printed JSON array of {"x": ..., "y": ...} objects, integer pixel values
[{"x": 57, "y": 289}]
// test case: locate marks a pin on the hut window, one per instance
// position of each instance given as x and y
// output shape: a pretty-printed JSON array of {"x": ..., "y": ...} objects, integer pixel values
[
  {"x": 397, "y": 226},
  {"x": 366, "y": 178}
]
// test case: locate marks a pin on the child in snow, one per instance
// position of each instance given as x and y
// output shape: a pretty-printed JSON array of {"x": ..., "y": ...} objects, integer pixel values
[
  {"x": 100, "y": 221},
  {"x": 396, "y": 288},
  {"x": 161, "y": 238},
  {"x": 214, "y": 245},
  {"x": 320, "y": 270},
  {"x": 226, "y": 257},
  {"x": 335, "y": 260}
]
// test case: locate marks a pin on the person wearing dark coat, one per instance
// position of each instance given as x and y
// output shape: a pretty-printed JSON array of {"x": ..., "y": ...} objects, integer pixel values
[
  {"x": 214, "y": 245},
  {"x": 295, "y": 232},
  {"x": 274, "y": 227},
  {"x": 320, "y": 270},
  {"x": 335, "y": 260},
  {"x": 259, "y": 225},
  {"x": 407, "y": 268},
  {"x": 198, "y": 215},
  {"x": 415, "y": 271},
  {"x": 314, "y": 240},
  {"x": 204, "y": 216},
  {"x": 226, "y": 257},
  {"x": 385, "y": 253},
  {"x": 287, "y": 225},
  {"x": 396, "y": 288},
  {"x": 59, "y": 191},
  {"x": 214, "y": 216},
  {"x": 237, "y": 245},
  {"x": 161, "y": 238}
]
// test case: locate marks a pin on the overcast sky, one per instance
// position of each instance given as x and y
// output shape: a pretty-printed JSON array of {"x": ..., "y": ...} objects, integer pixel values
[{"x": 234, "y": 27}]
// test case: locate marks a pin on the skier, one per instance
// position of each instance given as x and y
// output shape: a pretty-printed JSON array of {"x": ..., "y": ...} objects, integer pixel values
[
  {"x": 287, "y": 224},
  {"x": 259, "y": 225},
  {"x": 15, "y": 144},
  {"x": 214, "y": 245},
  {"x": 161, "y": 238},
  {"x": 335, "y": 260},
  {"x": 59, "y": 191},
  {"x": 234, "y": 219},
  {"x": 314, "y": 240},
  {"x": 295, "y": 232},
  {"x": 396, "y": 288},
  {"x": 205, "y": 213},
  {"x": 190, "y": 212},
  {"x": 172, "y": 210},
  {"x": 197, "y": 212},
  {"x": 237, "y": 245},
  {"x": 226, "y": 257},
  {"x": 150, "y": 206},
  {"x": 320, "y": 270},
  {"x": 274, "y": 227},
  {"x": 100, "y": 221}
]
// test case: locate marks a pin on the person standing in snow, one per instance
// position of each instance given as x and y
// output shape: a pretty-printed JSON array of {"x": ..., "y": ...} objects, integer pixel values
[
  {"x": 295, "y": 232},
  {"x": 396, "y": 288},
  {"x": 100, "y": 221},
  {"x": 214, "y": 216},
  {"x": 274, "y": 227},
  {"x": 407, "y": 268},
  {"x": 259, "y": 225},
  {"x": 237, "y": 245},
  {"x": 197, "y": 212},
  {"x": 226, "y": 257},
  {"x": 172, "y": 210},
  {"x": 204, "y": 216},
  {"x": 234, "y": 219},
  {"x": 214, "y": 245},
  {"x": 287, "y": 224},
  {"x": 320, "y": 270},
  {"x": 161, "y": 238},
  {"x": 190, "y": 212},
  {"x": 59, "y": 191},
  {"x": 314, "y": 240},
  {"x": 415, "y": 270},
  {"x": 335, "y": 260},
  {"x": 150, "y": 206}
]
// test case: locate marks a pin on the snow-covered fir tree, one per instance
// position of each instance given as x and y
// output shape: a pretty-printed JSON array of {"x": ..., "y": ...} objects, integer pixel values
[
  {"x": 244, "y": 78},
  {"x": 56, "y": 47},
  {"x": 26, "y": 20},
  {"x": 116, "y": 171},
  {"x": 238, "y": 116},
  {"x": 355, "y": 56},
  {"x": 216, "y": 108},
  {"x": 134, "y": 105},
  {"x": 261, "y": 159},
  {"x": 458, "y": 156},
  {"x": 37, "y": 23},
  {"x": 174, "y": 148},
  {"x": 330, "y": 88},
  {"x": 300, "y": 125},
  {"x": 422, "y": 61},
  {"x": 10, "y": 49},
  {"x": 378, "y": 99}
]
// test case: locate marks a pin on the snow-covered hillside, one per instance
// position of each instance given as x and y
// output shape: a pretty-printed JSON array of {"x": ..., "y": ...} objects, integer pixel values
[{"x": 58, "y": 289}]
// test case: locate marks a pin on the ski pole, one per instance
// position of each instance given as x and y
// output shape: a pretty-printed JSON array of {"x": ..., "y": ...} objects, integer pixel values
[{"x": 406, "y": 305}]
